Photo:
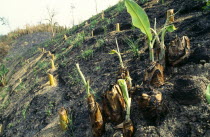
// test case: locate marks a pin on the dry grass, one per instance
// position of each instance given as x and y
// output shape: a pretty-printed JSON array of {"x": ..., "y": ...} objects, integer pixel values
[
  {"x": 29, "y": 29},
  {"x": 5, "y": 41}
]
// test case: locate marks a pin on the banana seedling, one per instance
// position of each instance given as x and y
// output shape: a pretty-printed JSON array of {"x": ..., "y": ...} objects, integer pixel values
[
  {"x": 123, "y": 71},
  {"x": 127, "y": 125},
  {"x": 63, "y": 116},
  {"x": 95, "y": 112},
  {"x": 155, "y": 37}
]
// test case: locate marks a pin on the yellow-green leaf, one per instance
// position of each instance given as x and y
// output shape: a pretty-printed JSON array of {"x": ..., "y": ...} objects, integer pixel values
[
  {"x": 113, "y": 52},
  {"x": 124, "y": 89},
  {"x": 139, "y": 17},
  {"x": 171, "y": 28}
]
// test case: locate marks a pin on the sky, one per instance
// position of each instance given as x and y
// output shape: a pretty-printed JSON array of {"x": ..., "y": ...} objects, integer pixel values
[{"x": 32, "y": 12}]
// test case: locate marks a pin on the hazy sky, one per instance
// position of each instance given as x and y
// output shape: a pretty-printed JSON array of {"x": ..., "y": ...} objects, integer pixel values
[{"x": 22, "y": 12}]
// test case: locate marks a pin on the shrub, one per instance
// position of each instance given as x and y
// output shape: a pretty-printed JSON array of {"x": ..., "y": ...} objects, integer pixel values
[{"x": 87, "y": 54}]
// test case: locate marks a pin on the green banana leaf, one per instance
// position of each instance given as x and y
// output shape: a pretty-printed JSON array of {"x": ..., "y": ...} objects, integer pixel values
[{"x": 139, "y": 17}]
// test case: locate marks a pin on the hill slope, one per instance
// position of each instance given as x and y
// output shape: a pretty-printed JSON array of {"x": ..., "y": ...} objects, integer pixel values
[{"x": 29, "y": 105}]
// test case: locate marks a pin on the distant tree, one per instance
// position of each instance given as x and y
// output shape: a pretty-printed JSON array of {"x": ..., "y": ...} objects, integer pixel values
[
  {"x": 51, "y": 20},
  {"x": 5, "y": 22}
]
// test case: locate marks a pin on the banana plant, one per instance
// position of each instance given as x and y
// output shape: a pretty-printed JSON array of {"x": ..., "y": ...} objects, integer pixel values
[
  {"x": 123, "y": 72},
  {"x": 95, "y": 112},
  {"x": 127, "y": 124},
  {"x": 118, "y": 54},
  {"x": 141, "y": 21}
]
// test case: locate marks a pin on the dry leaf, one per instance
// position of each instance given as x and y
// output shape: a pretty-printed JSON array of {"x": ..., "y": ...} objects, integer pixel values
[
  {"x": 114, "y": 104},
  {"x": 95, "y": 117},
  {"x": 128, "y": 128},
  {"x": 154, "y": 75},
  {"x": 178, "y": 50},
  {"x": 124, "y": 74}
]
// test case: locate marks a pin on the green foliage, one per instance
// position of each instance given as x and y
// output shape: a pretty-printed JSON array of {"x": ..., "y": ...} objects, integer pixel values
[
  {"x": 80, "y": 37},
  {"x": 208, "y": 93},
  {"x": 5, "y": 104},
  {"x": 87, "y": 54},
  {"x": 120, "y": 6},
  {"x": 70, "y": 125},
  {"x": 134, "y": 47},
  {"x": 97, "y": 68},
  {"x": 48, "y": 109},
  {"x": 141, "y": 21},
  {"x": 42, "y": 65},
  {"x": 10, "y": 125},
  {"x": 73, "y": 77},
  {"x": 69, "y": 41},
  {"x": 100, "y": 42},
  {"x": 45, "y": 45},
  {"x": 107, "y": 21},
  {"x": 93, "y": 24},
  {"x": 20, "y": 87},
  {"x": 123, "y": 87},
  {"x": 4, "y": 91},
  {"x": 207, "y": 7},
  {"x": 3, "y": 70},
  {"x": 139, "y": 17},
  {"x": 105, "y": 29},
  {"x": 24, "y": 111},
  {"x": 63, "y": 49}
]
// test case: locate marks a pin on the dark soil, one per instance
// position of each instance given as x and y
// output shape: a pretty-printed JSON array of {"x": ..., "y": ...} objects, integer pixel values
[{"x": 184, "y": 112}]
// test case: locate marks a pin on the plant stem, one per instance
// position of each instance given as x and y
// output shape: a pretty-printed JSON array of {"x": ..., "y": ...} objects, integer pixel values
[
  {"x": 162, "y": 46},
  {"x": 86, "y": 83},
  {"x": 151, "y": 52},
  {"x": 119, "y": 55},
  {"x": 128, "y": 111}
]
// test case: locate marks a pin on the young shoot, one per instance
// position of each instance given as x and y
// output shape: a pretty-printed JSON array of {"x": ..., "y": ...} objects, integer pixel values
[
  {"x": 118, "y": 53},
  {"x": 141, "y": 21},
  {"x": 123, "y": 86},
  {"x": 86, "y": 83}
]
